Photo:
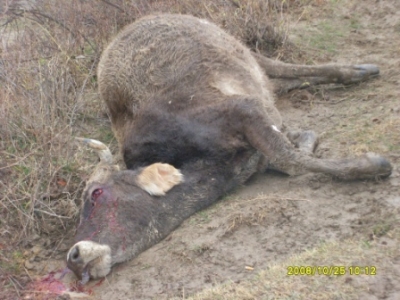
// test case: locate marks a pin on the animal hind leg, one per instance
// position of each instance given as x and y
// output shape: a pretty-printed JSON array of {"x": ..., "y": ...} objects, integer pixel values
[
  {"x": 284, "y": 85},
  {"x": 291, "y": 76}
]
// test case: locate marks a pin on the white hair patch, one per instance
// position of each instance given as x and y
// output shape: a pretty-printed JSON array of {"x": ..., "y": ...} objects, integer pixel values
[{"x": 275, "y": 128}]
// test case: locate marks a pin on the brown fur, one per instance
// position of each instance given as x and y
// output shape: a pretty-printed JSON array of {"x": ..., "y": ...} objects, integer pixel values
[{"x": 165, "y": 55}]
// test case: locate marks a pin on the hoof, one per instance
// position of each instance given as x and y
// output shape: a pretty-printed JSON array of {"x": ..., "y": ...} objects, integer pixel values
[
  {"x": 381, "y": 166},
  {"x": 367, "y": 166},
  {"x": 306, "y": 141},
  {"x": 363, "y": 72}
]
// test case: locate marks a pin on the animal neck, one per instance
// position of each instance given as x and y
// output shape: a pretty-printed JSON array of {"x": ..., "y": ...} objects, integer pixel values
[{"x": 205, "y": 183}]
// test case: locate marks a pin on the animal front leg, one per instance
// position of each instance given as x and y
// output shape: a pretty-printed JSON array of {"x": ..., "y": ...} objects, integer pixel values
[
  {"x": 281, "y": 154},
  {"x": 306, "y": 141}
]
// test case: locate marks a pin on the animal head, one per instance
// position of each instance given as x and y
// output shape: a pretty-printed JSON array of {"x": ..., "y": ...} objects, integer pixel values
[{"x": 119, "y": 213}]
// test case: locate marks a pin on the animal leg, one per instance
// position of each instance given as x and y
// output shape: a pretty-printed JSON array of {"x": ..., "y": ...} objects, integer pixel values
[
  {"x": 281, "y": 154},
  {"x": 306, "y": 141},
  {"x": 285, "y": 85},
  {"x": 290, "y": 76}
]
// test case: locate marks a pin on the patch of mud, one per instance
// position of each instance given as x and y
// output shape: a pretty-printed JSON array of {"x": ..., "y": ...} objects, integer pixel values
[{"x": 274, "y": 216}]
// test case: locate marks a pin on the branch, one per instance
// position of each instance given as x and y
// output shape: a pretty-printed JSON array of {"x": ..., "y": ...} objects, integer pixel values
[{"x": 113, "y": 5}]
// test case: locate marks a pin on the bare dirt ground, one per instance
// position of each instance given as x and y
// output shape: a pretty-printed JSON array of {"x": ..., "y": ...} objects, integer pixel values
[{"x": 241, "y": 247}]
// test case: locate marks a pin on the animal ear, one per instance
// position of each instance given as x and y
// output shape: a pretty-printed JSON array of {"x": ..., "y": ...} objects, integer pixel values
[{"x": 158, "y": 178}]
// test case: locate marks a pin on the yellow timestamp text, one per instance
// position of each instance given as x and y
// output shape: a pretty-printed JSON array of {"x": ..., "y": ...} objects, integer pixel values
[{"x": 330, "y": 270}]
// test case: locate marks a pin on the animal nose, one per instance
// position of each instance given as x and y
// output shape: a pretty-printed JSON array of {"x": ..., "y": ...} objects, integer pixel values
[
  {"x": 74, "y": 256},
  {"x": 89, "y": 259}
]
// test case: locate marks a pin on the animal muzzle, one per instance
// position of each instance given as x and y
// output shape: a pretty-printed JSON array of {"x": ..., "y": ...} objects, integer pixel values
[{"x": 89, "y": 260}]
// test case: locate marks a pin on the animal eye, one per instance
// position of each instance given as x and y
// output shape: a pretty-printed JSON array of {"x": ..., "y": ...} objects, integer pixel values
[{"x": 96, "y": 193}]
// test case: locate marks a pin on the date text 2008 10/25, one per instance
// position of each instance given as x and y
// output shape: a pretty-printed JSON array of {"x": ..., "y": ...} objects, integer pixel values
[{"x": 331, "y": 270}]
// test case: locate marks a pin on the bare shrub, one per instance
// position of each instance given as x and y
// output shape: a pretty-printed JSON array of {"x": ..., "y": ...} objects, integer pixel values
[{"x": 47, "y": 75}]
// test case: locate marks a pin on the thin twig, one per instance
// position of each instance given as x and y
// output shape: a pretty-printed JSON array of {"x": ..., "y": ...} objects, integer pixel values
[
  {"x": 51, "y": 214},
  {"x": 20, "y": 160},
  {"x": 16, "y": 289},
  {"x": 113, "y": 5},
  {"x": 29, "y": 275},
  {"x": 324, "y": 102},
  {"x": 274, "y": 198},
  {"x": 56, "y": 247},
  {"x": 209, "y": 12},
  {"x": 17, "y": 208},
  {"x": 37, "y": 14}
]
